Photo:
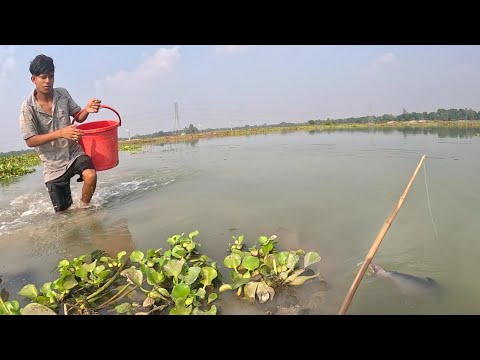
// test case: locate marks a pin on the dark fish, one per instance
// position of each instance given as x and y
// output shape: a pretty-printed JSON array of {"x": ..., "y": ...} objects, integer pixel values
[{"x": 408, "y": 284}]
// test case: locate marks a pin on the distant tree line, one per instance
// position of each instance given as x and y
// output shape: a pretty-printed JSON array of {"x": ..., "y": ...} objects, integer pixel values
[
  {"x": 17, "y": 152},
  {"x": 439, "y": 115}
]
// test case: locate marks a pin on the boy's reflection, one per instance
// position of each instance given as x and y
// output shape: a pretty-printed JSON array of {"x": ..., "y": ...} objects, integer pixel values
[{"x": 95, "y": 232}]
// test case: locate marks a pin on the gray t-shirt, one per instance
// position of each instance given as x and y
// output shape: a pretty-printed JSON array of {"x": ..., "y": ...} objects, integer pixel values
[{"x": 59, "y": 154}]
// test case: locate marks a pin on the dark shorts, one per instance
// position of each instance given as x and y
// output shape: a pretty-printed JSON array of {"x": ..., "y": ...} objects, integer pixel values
[{"x": 59, "y": 188}]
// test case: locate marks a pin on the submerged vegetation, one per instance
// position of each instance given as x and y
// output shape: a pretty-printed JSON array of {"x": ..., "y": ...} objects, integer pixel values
[{"x": 178, "y": 281}]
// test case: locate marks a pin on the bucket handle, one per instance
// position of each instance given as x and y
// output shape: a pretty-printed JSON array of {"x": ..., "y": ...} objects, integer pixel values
[{"x": 102, "y": 106}]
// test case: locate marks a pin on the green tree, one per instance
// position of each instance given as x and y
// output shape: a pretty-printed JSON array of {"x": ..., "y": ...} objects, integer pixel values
[{"x": 190, "y": 129}]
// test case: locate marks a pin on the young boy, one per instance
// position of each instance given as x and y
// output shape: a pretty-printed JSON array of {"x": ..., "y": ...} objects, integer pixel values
[{"x": 45, "y": 125}]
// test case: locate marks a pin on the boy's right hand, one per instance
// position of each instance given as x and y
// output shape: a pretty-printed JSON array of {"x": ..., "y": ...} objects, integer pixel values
[{"x": 71, "y": 133}]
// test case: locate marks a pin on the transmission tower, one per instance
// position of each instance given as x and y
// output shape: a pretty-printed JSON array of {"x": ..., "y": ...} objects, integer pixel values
[
  {"x": 177, "y": 126},
  {"x": 370, "y": 117}
]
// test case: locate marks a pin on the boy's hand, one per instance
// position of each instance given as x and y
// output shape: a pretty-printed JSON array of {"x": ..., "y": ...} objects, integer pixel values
[
  {"x": 71, "y": 132},
  {"x": 93, "y": 106}
]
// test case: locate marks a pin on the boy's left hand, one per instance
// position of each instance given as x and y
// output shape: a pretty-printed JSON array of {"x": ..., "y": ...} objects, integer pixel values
[{"x": 93, "y": 105}]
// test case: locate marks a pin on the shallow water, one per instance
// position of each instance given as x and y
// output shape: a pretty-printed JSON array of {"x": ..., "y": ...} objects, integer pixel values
[{"x": 328, "y": 192}]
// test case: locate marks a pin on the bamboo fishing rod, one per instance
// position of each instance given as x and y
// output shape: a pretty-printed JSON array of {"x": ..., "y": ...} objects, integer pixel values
[{"x": 376, "y": 244}]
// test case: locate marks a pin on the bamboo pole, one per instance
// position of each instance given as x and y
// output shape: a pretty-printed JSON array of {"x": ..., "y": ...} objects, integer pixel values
[{"x": 376, "y": 244}]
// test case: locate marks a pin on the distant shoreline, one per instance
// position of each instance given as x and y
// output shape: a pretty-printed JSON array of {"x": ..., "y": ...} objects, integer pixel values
[
  {"x": 18, "y": 163},
  {"x": 283, "y": 129}
]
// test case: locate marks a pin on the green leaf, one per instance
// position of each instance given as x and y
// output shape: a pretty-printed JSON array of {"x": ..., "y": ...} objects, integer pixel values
[
  {"x": 69, "y": 282},
  {"x": 292, "y": 260},
  {"x": 232, "y": 261},
  {"x": 281, "y": 257},
  {"x": 189, "y": 245},
  {"x": 124, "y": 308},
  {"x": 121, "y": 254},
  {"x": 29, "y": 291},
  {"x": 193, "y": 234},
  {"x": 155, "y": 278},
  {"x": 293, "y": 276},
  {"x": 180, "y": 308},
  {"x": 179, "y": 252},
  {"x": 201, "y": 293},
  {"x": 103, "y": 274},
  {"x": 133, "y": 275},
  {"x": 173, "y": 267},
  {"x": 192, "y": 275},
  {"x": 209, "y": 274},
  {"x": 150, "y": 253},
  {"x": 52, "y": 297},
  {"x": 137, "y": 256},
  {"x": 301, "y": 279},
  {"x": 63, "y": 263},
  {"x": 237, "y": 252},
  {"x": 189, "y": 300},
  {"x": 263, "y": 240},
  {"x": 250, "y": 262},
  {"x": 311, "y": 258},
  {"x": 212, "y": 297},
  {"x": 89, "y": 267},
  {"x": 225, "y": 287},
  {"x": 266, "y": 271},
  {"x": 46, "y": 288},
  {"x": 269, "y": 260},
  {"x": 173, "y": 240},
  {"x": 212, "y": 311},
  {"x": 82, "y": 274},
  {"x": 267, "y": 248},
  {"x": 164, "y": 292},
  {"x": 13, "y": 307},
  {"x": 37, "y": 309},
  {"x": 180, "y": 290},
  {"x": 42, "y": 300},
  {"x": 239, "y": 280},
  {"x": 145, "y": 269}
]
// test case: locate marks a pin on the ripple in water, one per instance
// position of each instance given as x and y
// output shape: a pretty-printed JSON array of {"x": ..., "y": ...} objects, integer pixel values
[{"x": 36, "y": 207}]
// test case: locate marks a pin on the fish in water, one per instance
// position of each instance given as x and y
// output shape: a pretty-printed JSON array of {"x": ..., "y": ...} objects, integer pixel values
[{"x": 408, "y": 284}]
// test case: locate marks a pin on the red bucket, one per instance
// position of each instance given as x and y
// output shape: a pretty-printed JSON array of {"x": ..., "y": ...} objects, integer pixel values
[{"x": 100, "y": 141}]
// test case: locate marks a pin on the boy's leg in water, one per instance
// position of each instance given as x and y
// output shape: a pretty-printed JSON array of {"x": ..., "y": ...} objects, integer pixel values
[
  {"x": 85, "y": 168},
  {"x": 89, "y": 186}
]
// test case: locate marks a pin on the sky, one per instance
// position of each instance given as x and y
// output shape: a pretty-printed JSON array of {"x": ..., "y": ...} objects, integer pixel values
[{"x": 217, "y": 86}]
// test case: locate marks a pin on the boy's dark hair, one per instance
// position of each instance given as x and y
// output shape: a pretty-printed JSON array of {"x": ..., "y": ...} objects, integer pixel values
[{"x": 42, "y": 64}]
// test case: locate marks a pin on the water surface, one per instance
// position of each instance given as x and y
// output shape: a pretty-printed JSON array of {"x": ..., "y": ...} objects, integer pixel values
[{"x": 328, "y": 192}]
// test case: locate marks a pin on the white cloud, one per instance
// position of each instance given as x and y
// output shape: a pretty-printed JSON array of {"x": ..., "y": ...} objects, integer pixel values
[
  {"x": 7, "y": 61},
  {"x": 384, "y": 59},
  {"x": 231, "y": 49},
  {"x": 149, "y": 70}
]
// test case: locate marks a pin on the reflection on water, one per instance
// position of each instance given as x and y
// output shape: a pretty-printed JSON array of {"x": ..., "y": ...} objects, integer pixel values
[
  {"x": 91, "y": 229},
  {"x": 328, "y": 192},
  {"x": 441, "y": 132}
]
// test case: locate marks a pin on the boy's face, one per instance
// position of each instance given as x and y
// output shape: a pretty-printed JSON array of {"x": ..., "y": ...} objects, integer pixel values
[{"x": 44, "y": 83}]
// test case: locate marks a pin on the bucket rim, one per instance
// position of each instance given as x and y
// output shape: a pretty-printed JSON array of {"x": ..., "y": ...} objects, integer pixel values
[{"x": 98, "y": 130}]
